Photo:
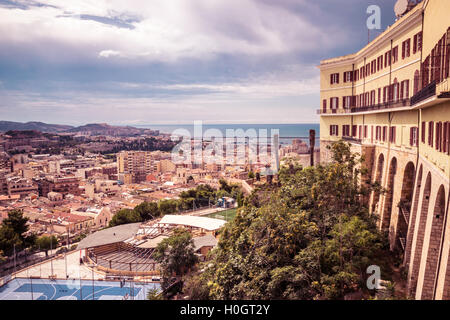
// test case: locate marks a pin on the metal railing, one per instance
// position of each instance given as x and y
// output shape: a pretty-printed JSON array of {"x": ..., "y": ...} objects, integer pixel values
[{"x": 425, "y": 93}]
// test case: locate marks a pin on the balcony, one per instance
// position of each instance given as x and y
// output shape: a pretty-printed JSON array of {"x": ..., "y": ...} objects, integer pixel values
[
  {"x": 382, "y": 106},
  {"x": 425, "y": 93},
  {"x": 375, "y": 107},
  {"x": 352, "y": 139}
]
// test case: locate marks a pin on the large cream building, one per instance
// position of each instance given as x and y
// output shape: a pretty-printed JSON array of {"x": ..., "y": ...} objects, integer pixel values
[
  {"x": 391, "y": 101},
  {"x": 135, "y": 164}
]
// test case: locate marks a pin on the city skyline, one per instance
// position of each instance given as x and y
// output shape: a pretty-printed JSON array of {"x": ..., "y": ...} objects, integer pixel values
[{"x": 149, "y": 63}]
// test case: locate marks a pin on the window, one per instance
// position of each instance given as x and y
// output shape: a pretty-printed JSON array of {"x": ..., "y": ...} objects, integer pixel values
[
  {"x": 417, "y": 42},
  {"x": 387, "y": 59},
  {"x": 348, "y": 76},
  {"x": 395, "y": 92},
  {"x": 406, "y": 45},
  {"x": 378, "y": 133},
  {"x": 395, "y": 54},
  {"x": 423, "y": 131},
  {"x": 430, "y": 133},
  {"x": 446, "y": 138},
  {"x": 334, "y": 78},
  {"x": 439, "y": 136},
  {"x": 324, "y": 105},
  {"x": 392, "y": 134},
  {"x": 360, "y": 132},
  {"x": 414, "y": 136},
  {"x": 384, "y": 133},
  {"x": 354, "y": 130},
  {"x": 334, "y": 103},
  {"x": 380, "y": 63},
  {"x": 372, "y": 97},
  {"x": 373, "y": 66},
  {"x": 334, "y": 130},
  {"x": 356, "y": 75},
  {"x": 346, "y": 130},
  {"x": 365, "y": 131},
  {"x": 347, "y": 101},
  {"x": 404, "y": 90}
]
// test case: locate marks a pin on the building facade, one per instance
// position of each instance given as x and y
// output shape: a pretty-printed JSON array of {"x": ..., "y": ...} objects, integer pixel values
[
  {"x": 136, "y": 163},
  {"x": 391, "y": 101}
]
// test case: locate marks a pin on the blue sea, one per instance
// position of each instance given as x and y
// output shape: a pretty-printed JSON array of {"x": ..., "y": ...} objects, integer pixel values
[{"x": 287, "y": 131}]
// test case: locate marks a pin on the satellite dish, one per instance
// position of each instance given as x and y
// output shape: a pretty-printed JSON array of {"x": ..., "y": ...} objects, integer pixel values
[{"x": 401, "y": 7}]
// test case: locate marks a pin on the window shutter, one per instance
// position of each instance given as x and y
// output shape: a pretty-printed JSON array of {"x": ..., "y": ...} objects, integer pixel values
[
  {"x": 331, "y": 78},
  {"x": 407, "y": 89},
  {"x": 403, "y": 50},
  {"x": 411, "y": 136},
  {"x": 337, "y": 80},
  {"x": 423, "y": 131},
  {"x": 331, "y": 130},
  {"x": 415, "y": 44}
]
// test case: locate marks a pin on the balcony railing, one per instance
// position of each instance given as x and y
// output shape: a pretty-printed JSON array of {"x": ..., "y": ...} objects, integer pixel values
[
  {"x": 425, "y": 93},
  {"x": 352, "y": 139},
  {"x": 381, "y": 106}
]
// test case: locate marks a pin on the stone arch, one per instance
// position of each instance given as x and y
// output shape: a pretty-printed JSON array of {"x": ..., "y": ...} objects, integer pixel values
[
  {"x": 420, "y": 234},
  {"x": 387, "y": 212},
  {"x": 378, "y": 179},
  {"x": 434, "y": 245},
  {"x": 412, "y": 219},
  {"x": 404, "y": 205}
]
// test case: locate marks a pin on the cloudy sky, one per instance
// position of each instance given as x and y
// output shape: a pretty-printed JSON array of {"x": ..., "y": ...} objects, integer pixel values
[{"x": 172, "y": 61}]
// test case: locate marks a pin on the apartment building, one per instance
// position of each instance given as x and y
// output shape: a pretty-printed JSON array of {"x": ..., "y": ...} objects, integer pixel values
[
  {"x": 136, "y": 163},
  {"x": 391, "y": 101}
]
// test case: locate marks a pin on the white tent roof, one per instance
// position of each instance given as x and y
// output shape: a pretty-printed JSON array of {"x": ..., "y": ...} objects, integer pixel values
[{"x": 193, "y": 221}]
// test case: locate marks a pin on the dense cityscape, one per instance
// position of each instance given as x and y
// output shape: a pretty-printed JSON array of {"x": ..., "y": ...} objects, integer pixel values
[{"x": 352, "y": 207}]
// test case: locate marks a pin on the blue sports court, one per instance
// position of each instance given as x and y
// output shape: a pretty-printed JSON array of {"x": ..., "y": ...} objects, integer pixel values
[{"x": 43, "y": 289}]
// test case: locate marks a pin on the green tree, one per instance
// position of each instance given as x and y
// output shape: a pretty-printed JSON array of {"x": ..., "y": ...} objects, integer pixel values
[
  {"x": 147, "y": 210},
  {"x": 154, "y": 294},
  {"x": 251, "y": 175},
  {"x": 168, "y": 206},
  {"x": 13, "y": 233},
  {"x": 176, "y": 255},
  {"x": 310, "y": 237},
  {"x": 124, "y": 216},
  {"x": 47, "y": 243}
]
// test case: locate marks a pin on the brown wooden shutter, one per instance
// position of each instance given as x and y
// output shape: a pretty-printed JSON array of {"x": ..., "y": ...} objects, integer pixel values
[
  {"x": 423, "y": 131},
  {"x": 403, "y": 49},
  {"x": 411, "y": 136}
]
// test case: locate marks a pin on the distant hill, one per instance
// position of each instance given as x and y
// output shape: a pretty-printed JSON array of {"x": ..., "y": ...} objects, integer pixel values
[
  {"x": 106, "y": 129},
  {"x": 33, "y": 126},
  {"x": 93, "y": 129}
]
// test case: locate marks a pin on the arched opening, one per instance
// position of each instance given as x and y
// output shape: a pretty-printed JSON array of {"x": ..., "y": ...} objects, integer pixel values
[
  {"x": 420, "y": 235},
  {"x": 386, "y": 221},
  {"x": 378, "y": 179},
  {"x": 434, "y": 246},
  {"x": 404, "y": 206},
  {"x": 412, "y": 225}
]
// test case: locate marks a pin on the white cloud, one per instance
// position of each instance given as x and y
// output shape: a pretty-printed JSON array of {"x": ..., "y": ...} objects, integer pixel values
[
  {"x": 166, "y": 30},
  {"x": 109, "y": 53}
]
